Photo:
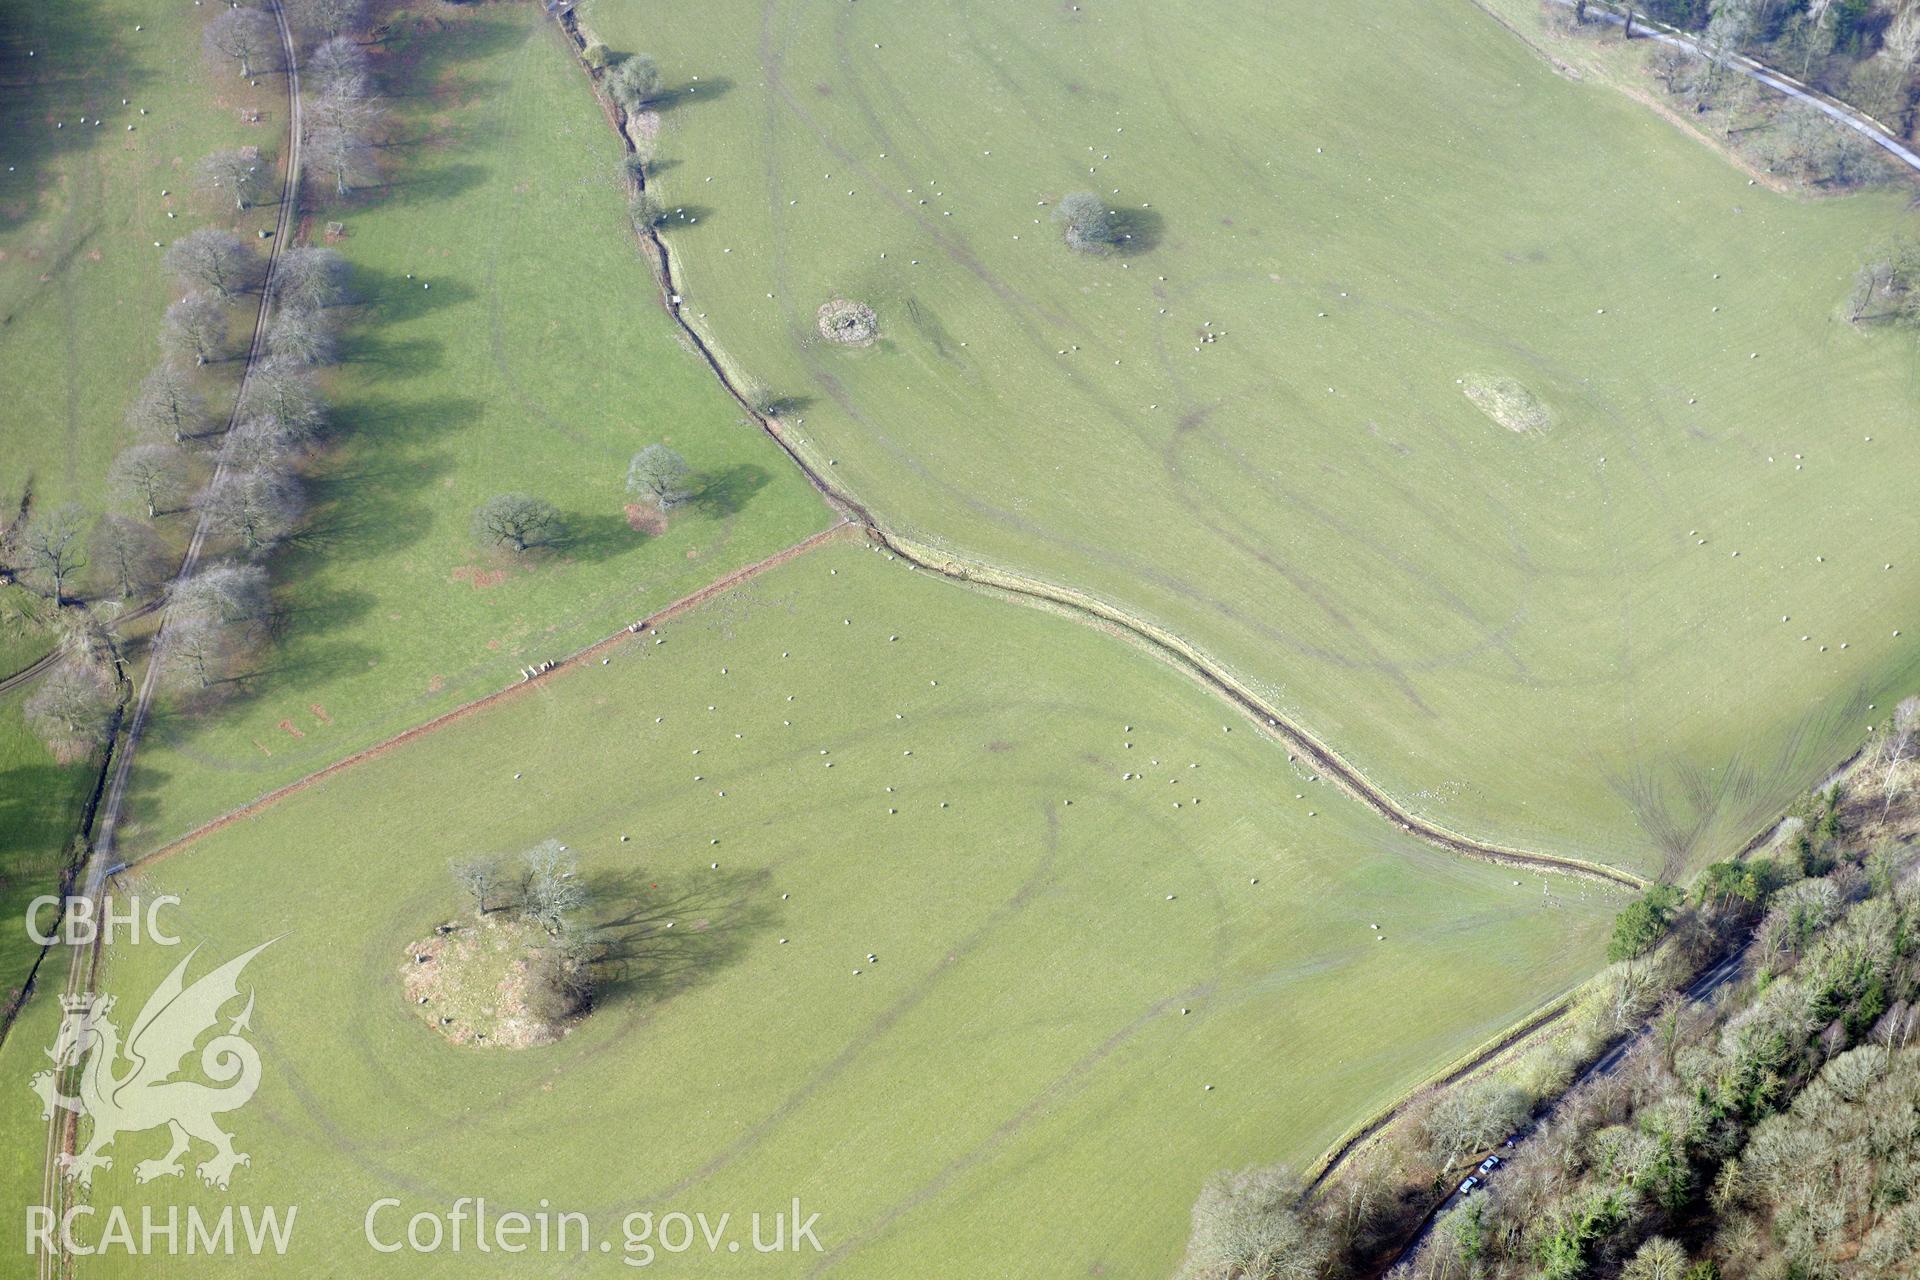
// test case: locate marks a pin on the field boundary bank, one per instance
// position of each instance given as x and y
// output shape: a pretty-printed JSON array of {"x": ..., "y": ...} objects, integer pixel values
[
  {"x": 1164, "y": 644},
  {"x": 1513, "y": 1036},
  {"x": 1835, "y": 109},
  {"x": 573, "y": 661}
]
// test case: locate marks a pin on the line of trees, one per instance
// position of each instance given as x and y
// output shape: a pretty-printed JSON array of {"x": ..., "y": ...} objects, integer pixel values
[
  {"x": 245, "y": 483},
  {"x": 342, "y": 114},
  {"x": 522, "y": 523}
]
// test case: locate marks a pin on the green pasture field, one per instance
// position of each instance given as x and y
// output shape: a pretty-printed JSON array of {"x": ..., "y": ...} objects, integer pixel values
[
  {"x": 1633, "y": 634},
  {"x": 509, "y": 337},
  {"x": 845, "y": 758}
]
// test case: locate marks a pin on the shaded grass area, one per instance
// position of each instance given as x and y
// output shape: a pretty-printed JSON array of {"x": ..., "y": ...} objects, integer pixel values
[
  {"x": 846, "y": 759},
  {"x": 506, "y": 337},
  {"x": 1246, "y": 425},
  {"x": 40, "y": 808}
]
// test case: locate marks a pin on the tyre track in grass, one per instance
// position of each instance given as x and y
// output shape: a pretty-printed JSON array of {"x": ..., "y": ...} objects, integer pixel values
[
  {"x": 1165, "y": 645},
  {"x": 82, "y": 976}
]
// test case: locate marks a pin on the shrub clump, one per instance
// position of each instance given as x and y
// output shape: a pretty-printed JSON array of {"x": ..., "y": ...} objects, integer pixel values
[
  {"x": 1086, "y": 222},
  {"x": 847, "y": 322}
]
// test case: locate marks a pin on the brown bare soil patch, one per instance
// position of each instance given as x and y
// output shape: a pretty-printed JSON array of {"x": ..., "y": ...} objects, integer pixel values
[
  {"x": 645, "y": 519},
  {"x": 479, "y": 579},
  {"x": 290, "y": 728},
  {"x": 320, "y": 713}
]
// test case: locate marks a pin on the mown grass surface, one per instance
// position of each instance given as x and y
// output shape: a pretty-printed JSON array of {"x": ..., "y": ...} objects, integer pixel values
[
  {"x": 1541, "y": 638},
  {"x": 1011, "y": 1089},
  {"x": 508, "y": 337}
]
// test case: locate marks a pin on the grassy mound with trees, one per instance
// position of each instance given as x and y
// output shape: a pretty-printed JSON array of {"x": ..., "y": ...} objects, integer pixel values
[{"x": 920, "y": 906}]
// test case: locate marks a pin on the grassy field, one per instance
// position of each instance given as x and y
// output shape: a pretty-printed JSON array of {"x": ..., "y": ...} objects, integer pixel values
[
  {"x": 878, "y": 763},
  {"x": 1588, "y": 636},
  {"x": 510, "y": 338}
]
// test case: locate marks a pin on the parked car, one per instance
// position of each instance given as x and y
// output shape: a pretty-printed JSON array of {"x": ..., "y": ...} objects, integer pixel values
[
  {"x": 1466, "y": 1188},
  {"x": 1489, "y": 1164}
]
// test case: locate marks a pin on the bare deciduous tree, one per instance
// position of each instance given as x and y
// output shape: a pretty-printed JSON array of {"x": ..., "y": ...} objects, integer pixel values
[
  {"x": 127, "y": 555},
  {"x": 519, "y": 521},
  {"x": 233, "y": 595},
  {"x": 327, "y": 17},
  {"x": 194, "y": 647},
  {"x": 154, "y": 474},
  {"x": 342, "y": 155},
  {"x": 310, "y": 276},
  {"x": 480, "y": 878},
  {"x": 259, "y": 443},
  {"x": 552, "y": 890},
  {"x": 74, "y": 705},
  {"x": 167, "y": 405},
  {"x": 52, "y": 548},
  {"x": 345, "y": 110},
  {"x": 214, "y": 260},
  {"x": 196, "y": 326},
  {"x": 282, "y": 390},
  {"x": 303, "y": 335},
  {"x": 1896, "y": 751},
  {"x": 234, "y": 174},
  {"x": 257, "y": 508},
  {"x": 659, "y": 475},
  {"x": 248, "y": 37},
  {"x": 1249, "y": 1226},
  {"x": 338, "y": 67}
]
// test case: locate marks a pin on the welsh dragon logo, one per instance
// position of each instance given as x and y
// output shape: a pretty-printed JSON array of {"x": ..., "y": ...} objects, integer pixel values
[{"x": 129, "y": 1087}]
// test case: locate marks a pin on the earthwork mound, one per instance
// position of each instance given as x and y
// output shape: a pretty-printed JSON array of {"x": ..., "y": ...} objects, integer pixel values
[
  {"x": 1507, "y": 402},
  {"x": 849, "y": 323}
]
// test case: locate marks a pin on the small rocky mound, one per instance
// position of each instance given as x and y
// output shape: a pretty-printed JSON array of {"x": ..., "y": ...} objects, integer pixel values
[
  {"x": 849, "y": 323},
  {"x": 493, "y": 982},
  {"x": 1507, "y": 402}
]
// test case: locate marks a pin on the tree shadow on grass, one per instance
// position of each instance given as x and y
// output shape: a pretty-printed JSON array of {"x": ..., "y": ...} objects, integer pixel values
[
  {"x": 374, "y": 421},
  {"x": 1137, "y": 231},
  {"x": 690, "y": 93},
  {"x": 394, "y": 360},
  {"x": 683, "y": 217},
  {"x": 722, "y": 493},
  {"x": 321, "y": 609},
  {"x": 392, "y": 298},
  {"x": 593, "y": 538},
  {"x": 422, "y": 185},
  {"x": 664, "y": 933}
]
